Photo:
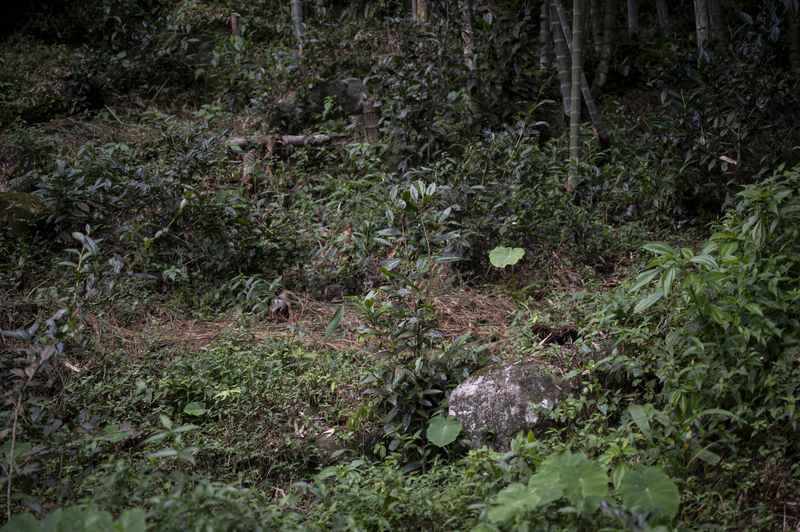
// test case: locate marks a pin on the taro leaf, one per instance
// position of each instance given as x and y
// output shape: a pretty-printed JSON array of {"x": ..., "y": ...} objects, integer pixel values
[
  {"x": 639, "y": 417},
  {"x": 195, "y": 409},
  {"x": 22, "y": 523},
  {"x": 650, "y": 490},
  {"x": 584, "y": 482},
  {"x": 546, "y": 486},
  {"x": 514, "y": 500},
  {"x": 502, "y": 257},
  {"x": 443, "y": 430},
  {"x": 132, "y": 520},
  {"x": 334, "y": 323}
]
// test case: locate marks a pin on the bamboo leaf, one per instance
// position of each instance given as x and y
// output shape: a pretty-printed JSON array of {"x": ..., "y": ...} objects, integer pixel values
[{"x": 335, "y": 321}]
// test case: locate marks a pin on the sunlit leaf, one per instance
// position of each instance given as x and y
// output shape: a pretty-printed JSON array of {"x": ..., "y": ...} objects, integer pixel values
[{"x": 501, "y": 257}]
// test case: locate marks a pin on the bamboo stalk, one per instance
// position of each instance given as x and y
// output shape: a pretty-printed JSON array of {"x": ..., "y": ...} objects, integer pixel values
[
  {"x": 601, "y": 136},
  {"x": 609, "y": 24},
  {"x": 633, "y": 17},
  {"x": 544, "y": 37},
  {"x": 597, "y": 25},
  {"x": 561, "y": 58},
  {"x": 701, "y": 21},
  {"x": 794, "y": 37},
  {"x": 577, "y": 70}
]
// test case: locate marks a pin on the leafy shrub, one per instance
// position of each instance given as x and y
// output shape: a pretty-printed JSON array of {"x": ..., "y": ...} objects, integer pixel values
[
  {"x": 424, "y": 103},
  {"x": 360, "y": 495},
  {"x": 709, "y": 348}
]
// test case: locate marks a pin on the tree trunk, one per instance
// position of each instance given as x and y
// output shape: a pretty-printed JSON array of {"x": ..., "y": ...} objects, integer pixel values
[
  {"x": 561, "y": 58},
  {"x": 794, "y": 37},
  {"x": 609, "y": 28},
  {"x": 413, "y": 9},
  {"x": 544, "y": 37},
  {"x": 601, "y": 136},
  {"x": 663, "y": 15},
  {"x": 469, "y": 51},
  {"x": 297, "y": 18},
  {"x": 422, "y": 11},
  {"x": 715, "y": 20},
  {"x": 577, "y": 71},
  {"x": 701, "y": 21},
  {"x": 633, "y": 17},
  {"x": 597, "y": 25}
]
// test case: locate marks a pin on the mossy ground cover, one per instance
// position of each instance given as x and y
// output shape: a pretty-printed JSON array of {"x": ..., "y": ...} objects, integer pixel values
[{"x": 194, "y": 331}]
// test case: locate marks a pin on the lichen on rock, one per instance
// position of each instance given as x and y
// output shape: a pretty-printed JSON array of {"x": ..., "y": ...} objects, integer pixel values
[{"x": 495, "y": 404}]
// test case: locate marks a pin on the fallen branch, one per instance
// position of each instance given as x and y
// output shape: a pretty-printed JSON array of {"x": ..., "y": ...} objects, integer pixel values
[{"x": 277, "y": 143}]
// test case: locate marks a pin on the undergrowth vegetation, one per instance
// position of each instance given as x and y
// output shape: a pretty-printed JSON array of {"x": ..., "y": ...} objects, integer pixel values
[{"x": 208, "y": 324}]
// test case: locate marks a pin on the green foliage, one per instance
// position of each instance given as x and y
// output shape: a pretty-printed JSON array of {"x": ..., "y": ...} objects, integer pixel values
[
  {"x": 579, "y": 487},
  {"x": 411, "y": 394},
  {"x": 443, "y": 431},
  {"x": 424, "y": 110},
  {"x": 715, "y": 379},
  {"x": 406, "y": 322},
  {"x": 501, "y": 257},
  {"x": 690, "y": 394},
  {"x": 364, "y": 496},
  {"x": 715, "y": 98},
  {"x": 232, "y": 72},
  {"x": 77, "y": 519}
]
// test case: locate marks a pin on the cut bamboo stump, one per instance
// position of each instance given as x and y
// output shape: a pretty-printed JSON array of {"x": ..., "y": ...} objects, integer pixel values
[{"x": 371, "y": 112}]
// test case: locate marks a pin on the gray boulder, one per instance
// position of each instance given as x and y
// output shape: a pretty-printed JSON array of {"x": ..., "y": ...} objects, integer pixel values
[
  {"x": 17, "y": 210},
  {"x": 497, "y": 401}
]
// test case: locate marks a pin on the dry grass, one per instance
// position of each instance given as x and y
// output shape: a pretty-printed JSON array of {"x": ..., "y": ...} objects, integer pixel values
[{"x": 486, "y": 316}]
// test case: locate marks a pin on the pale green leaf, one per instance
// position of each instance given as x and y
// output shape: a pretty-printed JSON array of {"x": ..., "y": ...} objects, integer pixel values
[
  {"x": 196, "y": 408},
  {"x": 644, "y": 278},
  {"x": 667, "y": 277},
  {"x": 705, "y": 260},
  {"x": 443, "y": 430},
  {"x": 501, "y": 257}
]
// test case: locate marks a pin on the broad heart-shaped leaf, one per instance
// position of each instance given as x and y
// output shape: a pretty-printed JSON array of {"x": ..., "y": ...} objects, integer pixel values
[
  {"x": 546, "y": 486},
  {"x": 514, "y": 500},
  {"x": 649, "y": 490},
  {"x": 584, "y": 482},
  {"x": 195, "y": 409},
  {"x": 443, "y": 430},
  {"x": 502, "y": 257},
  {"x": 22, "y": 523},
  {"x": 132, "y": 520}
]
